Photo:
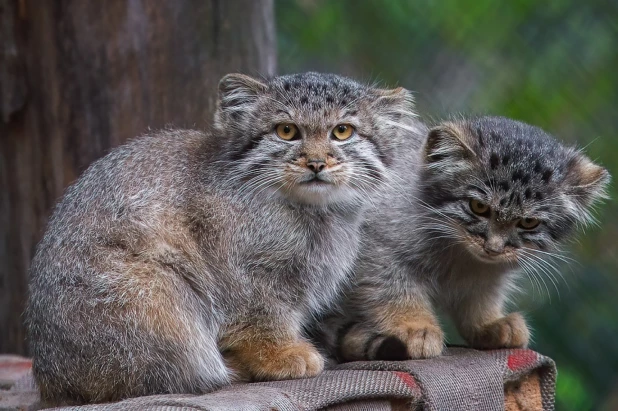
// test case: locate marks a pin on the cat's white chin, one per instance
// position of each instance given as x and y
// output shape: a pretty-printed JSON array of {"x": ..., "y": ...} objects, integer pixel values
[
  {"x": 490, "y": 259},
  {"x": 481, "y": 255},
  {"x": 318, "y": 193}
]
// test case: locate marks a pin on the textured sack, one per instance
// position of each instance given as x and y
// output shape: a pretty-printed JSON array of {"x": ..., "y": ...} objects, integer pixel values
[{"x": 461, "y": 379}]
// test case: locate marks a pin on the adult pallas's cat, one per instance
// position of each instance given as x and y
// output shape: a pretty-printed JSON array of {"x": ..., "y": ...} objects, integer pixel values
[
  {"x": 183, "y": 260},
  {"x": 484, "y": 199}
]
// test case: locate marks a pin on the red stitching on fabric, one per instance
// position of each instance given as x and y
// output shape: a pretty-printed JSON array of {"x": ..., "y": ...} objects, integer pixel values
[
  {"x": 520, "y": 359},
  {"x": 407, "y": 379}
]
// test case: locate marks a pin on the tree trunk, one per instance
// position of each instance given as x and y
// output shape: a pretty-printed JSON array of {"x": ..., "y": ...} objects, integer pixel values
[{"x": 80, "y": 77}]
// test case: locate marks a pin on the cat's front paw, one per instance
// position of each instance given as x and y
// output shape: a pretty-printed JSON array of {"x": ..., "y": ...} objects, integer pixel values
[
  {"x": 278, "y": 362},
  {"x": 507, "y": 332},
  {"x": 418, "y": 339},
  {"x": 296, "y": 360}
]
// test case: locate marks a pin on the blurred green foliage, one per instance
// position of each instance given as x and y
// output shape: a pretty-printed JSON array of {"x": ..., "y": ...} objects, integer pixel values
[{"x": 552, "y": 64}]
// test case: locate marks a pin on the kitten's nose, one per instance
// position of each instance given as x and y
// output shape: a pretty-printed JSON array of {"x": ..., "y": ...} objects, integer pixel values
[
  {"x": 493, "y": 248},
  {"x": 316, "y": 165}
]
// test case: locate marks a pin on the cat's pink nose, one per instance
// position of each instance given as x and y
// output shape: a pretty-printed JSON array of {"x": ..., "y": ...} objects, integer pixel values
[{"x": 316, "y": 165}]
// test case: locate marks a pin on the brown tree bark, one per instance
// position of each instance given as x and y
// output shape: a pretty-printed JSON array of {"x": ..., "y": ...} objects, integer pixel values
[{"x": 80, "y": 77}]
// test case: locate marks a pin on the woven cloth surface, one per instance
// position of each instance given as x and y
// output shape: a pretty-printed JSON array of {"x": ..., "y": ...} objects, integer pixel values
[{"x": 461, "y": 379}]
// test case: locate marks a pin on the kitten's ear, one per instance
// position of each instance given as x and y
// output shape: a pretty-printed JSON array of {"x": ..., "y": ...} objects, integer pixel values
[
  {"x": 586, "y": 182},
  {"x": 448, "y": 145},
  {"x": 237, "y": 90}
]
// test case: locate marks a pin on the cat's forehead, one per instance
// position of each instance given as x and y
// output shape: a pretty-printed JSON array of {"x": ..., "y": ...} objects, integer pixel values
[
  {"x": 520, "y": 151},
  {"x": 522, "y": 164},
  {"x": 316, "y": 91}
]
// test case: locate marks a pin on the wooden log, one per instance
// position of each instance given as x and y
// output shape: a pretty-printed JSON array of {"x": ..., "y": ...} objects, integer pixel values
[{"x": 80, "y": 77}]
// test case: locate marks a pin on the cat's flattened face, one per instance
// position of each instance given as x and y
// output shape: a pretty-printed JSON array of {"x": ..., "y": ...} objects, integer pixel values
[
  {"x": 312, "y": 138},
  {"x": 509, "y": 186}
]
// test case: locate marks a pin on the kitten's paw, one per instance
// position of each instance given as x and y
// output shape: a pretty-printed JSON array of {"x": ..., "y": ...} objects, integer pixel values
[
  {"x": 419, "y": 339},
  {"x": 423, "y": 339},
  {"x": 507, "y": 332},
  {"x": 425, "y": 342},
  {"x": 279, "y": 362}
]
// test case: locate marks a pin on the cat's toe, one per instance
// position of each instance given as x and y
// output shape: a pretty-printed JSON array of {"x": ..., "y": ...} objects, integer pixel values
[
  {"x": 507, "y": 332},
  {"x": 314, "y": 363},
  {"x": 414, "y": 341},
  {"x": 425, "y": 342},
  {"x": 299, "y": 360}
]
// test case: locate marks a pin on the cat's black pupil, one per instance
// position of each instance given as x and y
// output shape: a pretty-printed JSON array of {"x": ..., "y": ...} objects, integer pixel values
[
  {"x": 286, "y": 129},
  {"x": 342, "y": 129}
]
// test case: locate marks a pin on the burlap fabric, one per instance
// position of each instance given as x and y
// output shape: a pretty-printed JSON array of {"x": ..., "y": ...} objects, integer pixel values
[{"x": 462, "y": 379}]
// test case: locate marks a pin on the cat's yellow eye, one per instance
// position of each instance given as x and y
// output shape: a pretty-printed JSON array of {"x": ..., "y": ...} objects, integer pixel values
[
  {"x": 286, "y": 131},
  {"x": 343, "y": 131},
  {"x": 528, "y": 223},
  {"x": 478, "y": 208}
]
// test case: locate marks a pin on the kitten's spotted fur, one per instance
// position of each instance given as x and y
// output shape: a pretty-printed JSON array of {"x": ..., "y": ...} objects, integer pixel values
[
  {"x": 425, "y": 246},
  {"x": 183, "y": 260}
]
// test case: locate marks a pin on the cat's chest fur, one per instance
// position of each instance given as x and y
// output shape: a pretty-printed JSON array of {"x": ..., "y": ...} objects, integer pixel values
[
  {"x": 298, "y": 255},
  {"x": 461, "y": 275},
  {"x": 332, "y": 244},
  {"x": 311, "y": 252}
]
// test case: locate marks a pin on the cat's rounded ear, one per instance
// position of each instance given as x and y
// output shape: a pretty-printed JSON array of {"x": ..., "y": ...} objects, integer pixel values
[
  {"x": 399, "y": 97},
  {"x": 238, "y": 90},
  {"x": 586, "y": 182},
  {"x": 449, "y": 146}
]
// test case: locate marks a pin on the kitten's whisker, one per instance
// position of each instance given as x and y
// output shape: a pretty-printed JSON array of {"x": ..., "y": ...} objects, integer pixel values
[
  {"x": 541, "y": 264},
  {"x": 529, "y": 275},
  {"x": 537, "y": 276},
  {"x": 564, "y": 258},
  {"x": 551, "y": 269},
  {"x": 524, "y": 250}
]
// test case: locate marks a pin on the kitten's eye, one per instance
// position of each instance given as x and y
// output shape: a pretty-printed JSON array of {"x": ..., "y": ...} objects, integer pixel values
[
  {"x": 528, "y": 223},
  {"x": 286, "y": 131},
  {"x": 479, "y": 208},
  {"x": 343, "y": 131}
]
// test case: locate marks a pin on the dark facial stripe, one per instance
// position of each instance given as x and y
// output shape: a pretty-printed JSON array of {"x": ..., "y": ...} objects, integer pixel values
[
  {"x": 247, "y": 147},
  {"x": 439, "y": 198},
  {"x": 278, "y": 153},
  {"x": 479, "y": 232},
  {"x": 381, "y": 155},
  {"x": 372, "y": 171}
]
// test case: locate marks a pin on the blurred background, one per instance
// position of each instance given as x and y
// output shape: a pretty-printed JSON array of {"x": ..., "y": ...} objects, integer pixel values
[
  {"x": 77, "y": 78},
  {"x": 552, "y": 64}
]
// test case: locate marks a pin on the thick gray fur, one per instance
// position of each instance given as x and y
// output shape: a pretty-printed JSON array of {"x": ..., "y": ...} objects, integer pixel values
[
  {"x": 169, "y": 242},
  {"x": 424, "y": 249}
]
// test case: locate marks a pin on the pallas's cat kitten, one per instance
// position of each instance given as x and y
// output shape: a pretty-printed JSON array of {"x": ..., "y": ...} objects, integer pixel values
[
  {"x": 484, "y": 199},
  {"x": 183, "y": 260}
]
